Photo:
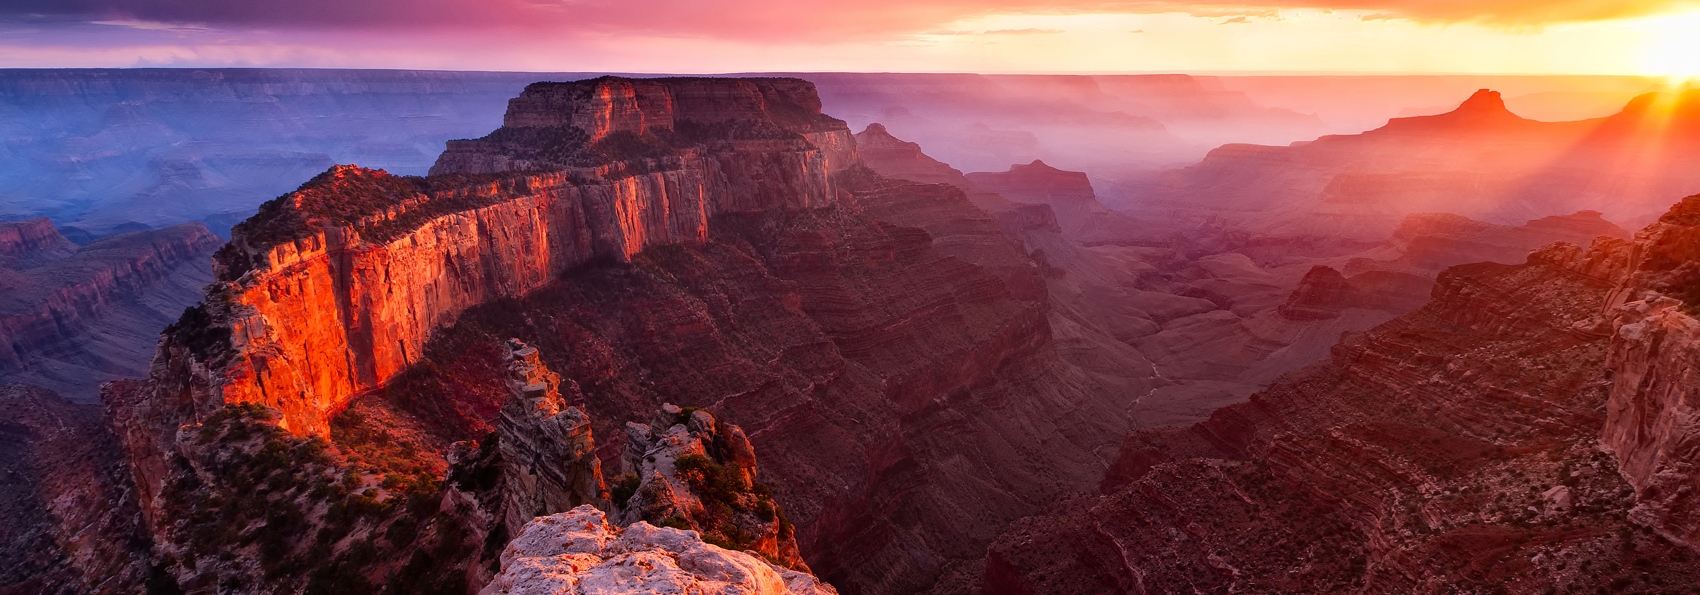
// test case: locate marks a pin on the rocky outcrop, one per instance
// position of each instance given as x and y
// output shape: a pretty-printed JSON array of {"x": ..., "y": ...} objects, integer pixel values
[
  {"x": 51, "y": 311},
  {"x": 549, "y": 462},
  {"x": 578, "y": 552},
  {"x": 395, "y": 258},
  {"x": 689, "y": 469},
  {"x": 1070, "y": 196},
  {"x": 1426, "y": 243},
  {"x": 1324, "y": 293},
  {"x": 68, "y": 522},
  {"x": 693, "y": 265}
]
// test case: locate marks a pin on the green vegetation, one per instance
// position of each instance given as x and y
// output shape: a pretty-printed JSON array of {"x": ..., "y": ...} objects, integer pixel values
[{"x": 624, "y": 489}]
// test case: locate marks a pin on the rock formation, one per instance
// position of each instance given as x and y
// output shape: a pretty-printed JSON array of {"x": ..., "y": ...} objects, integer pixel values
[
  {"x": 695, "y": 241},
  {"x": 398, "y": 257},
  {"x": 549, "y": 462},
  {"x": 688, "y": 468},
  {"x": 1324, "y": 293},
  {"x": 71, "y": 317},
  {"x": 1070, "y": 196},
  {"x": 578, "y": 552},
  {"x": 28, "y": 243}
]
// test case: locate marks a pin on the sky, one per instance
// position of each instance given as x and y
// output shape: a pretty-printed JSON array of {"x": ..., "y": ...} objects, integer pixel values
[{"x": 1638, "y": 37}]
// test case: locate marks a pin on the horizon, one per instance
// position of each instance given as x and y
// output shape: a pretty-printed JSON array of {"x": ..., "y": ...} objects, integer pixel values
[{"x": 1655, "y": 38}]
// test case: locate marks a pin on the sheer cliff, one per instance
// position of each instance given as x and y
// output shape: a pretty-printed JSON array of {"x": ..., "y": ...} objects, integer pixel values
[{"x": 714, "y": 243}]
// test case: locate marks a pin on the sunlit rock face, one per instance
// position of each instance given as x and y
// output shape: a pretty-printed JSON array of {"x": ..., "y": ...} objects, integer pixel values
[
  {"x": 579, "y": 552},
  {"x": 1653, "y": 422},
  {"x": 395, "y": 257},
  {"x": 905, "y": 403}
]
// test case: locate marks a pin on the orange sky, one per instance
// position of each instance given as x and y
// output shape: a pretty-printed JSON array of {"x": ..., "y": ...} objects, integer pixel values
[{"x": 1507, "y": 36}]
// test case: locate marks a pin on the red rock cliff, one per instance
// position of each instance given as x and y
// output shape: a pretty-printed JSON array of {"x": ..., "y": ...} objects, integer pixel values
[{"x": 334, "y": 289}]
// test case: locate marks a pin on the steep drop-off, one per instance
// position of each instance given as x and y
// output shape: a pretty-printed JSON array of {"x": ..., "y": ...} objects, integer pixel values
[
  {"x": 690, "y": 241},
  {"x": 68, "y": 520}
]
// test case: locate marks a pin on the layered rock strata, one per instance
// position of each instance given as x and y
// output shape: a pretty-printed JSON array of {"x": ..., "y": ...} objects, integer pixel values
[
  {"x": 549, "y": 462},
  {"x": 30, "y": 242},
  {"x": 720, "y": 263},
  {"x": 72, "y": 316},
  {"x": 579, "y": 552},
  {"x": 394, "y": 258}
]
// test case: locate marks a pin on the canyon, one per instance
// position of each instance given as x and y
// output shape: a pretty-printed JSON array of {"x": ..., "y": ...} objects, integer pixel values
[
  {"x": 1518, "y": 433},
  {"x": 861, "y": 361},
  {"x": 563, "y": 352},
  {"x": 74, "y": 316}
]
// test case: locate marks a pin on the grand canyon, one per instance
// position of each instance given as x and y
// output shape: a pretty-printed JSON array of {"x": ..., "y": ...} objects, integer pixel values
[{"x": 327, "y": 331}]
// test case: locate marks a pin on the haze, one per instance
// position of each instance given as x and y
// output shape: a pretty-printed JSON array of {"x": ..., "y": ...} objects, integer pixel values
[{"x": 1646, "y": 37}]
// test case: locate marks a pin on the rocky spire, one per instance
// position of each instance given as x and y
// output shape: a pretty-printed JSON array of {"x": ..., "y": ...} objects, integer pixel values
[{"x": 549, "y": 462}]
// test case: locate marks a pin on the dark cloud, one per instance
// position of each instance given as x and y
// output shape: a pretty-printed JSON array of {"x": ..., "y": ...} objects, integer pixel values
[{"x": 759, "y": 20}]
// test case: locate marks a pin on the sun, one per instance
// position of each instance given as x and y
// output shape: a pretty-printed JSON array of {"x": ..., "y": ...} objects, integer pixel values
[{"x": 1673, "y": 47}]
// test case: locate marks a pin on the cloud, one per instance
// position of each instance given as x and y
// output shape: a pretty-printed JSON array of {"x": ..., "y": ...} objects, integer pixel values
[
  {"x": 1025, "y": 32},
  {"x": 758, "y": 20}
]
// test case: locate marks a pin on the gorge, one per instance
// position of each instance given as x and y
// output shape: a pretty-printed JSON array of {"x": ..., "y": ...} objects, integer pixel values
[{"x": 699, "y": 321}]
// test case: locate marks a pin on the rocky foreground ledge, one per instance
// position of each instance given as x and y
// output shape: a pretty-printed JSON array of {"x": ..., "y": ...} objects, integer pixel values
[{"x": 579, "y": 552}]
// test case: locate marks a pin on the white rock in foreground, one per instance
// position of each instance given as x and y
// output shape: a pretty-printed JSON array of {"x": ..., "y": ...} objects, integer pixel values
[{"x": 577, "y": 552}]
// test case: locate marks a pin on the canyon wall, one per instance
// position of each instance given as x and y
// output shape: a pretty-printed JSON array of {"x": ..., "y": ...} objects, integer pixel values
[
  {"x": 26, "y": 243},
  {"x": 406, "y": 265},
  {"x": 905, "y": 403},
  {"x": 68, "y": 313}
]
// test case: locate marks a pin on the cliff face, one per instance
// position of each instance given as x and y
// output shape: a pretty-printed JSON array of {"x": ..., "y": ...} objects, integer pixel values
[
  {"x": 723, "y": 262},
  {"x": 1653, "y": 419},
  {"x": 395, "y": 258},
  {"x": 549, "y": 462},
  {"x": 57, "y": 299}
]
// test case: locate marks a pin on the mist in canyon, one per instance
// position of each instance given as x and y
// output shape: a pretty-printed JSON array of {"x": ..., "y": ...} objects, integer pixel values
[{"x": 305, "y": 331}]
